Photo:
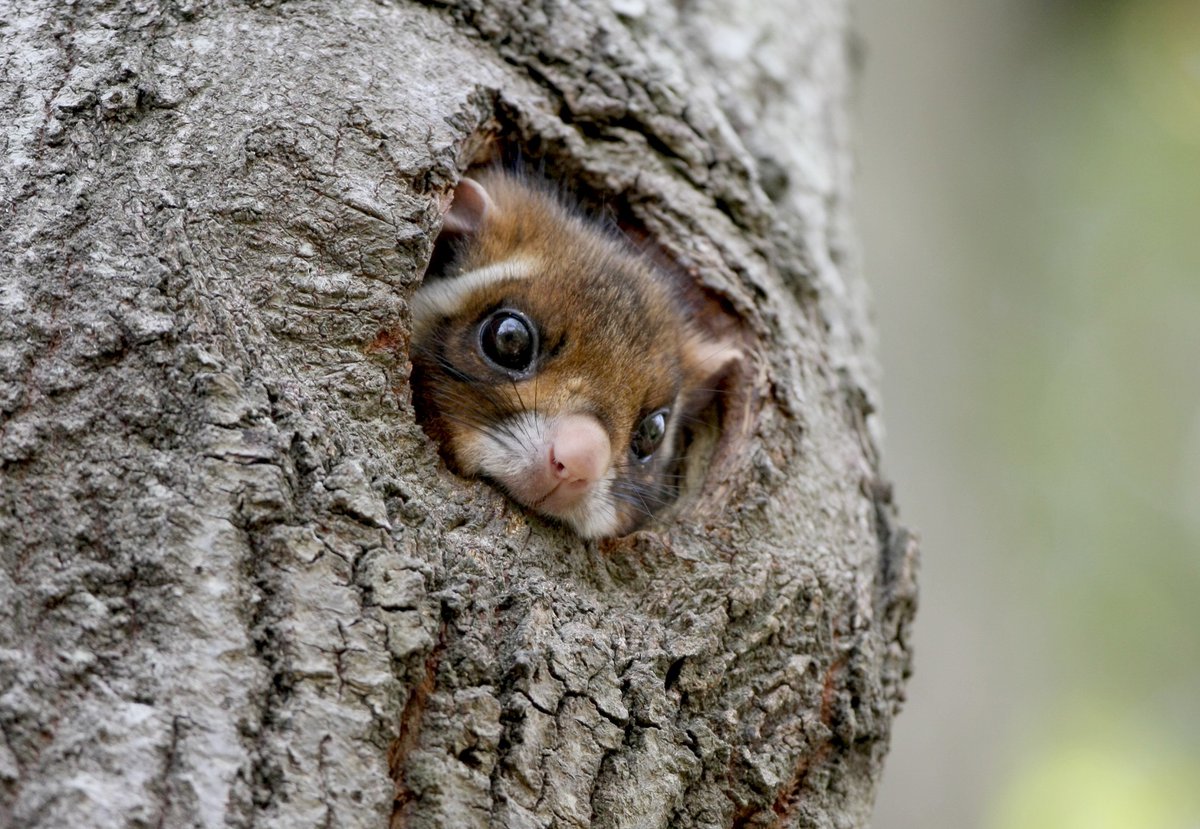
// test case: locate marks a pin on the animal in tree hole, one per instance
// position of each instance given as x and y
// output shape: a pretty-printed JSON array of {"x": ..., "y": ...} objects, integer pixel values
[{"x": 553, "y": 359}]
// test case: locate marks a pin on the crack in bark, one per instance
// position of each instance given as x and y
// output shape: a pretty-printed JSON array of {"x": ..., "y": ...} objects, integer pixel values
[
  {"x": 791, "y": 794},
  {"x": 177, "y": 723},
  {"x": 410, "y": 732}
]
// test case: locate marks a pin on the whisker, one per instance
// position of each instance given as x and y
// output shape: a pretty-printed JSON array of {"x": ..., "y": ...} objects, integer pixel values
[
  {"x": 643, "y": 495},
  {"x": 638, "y": 505}
]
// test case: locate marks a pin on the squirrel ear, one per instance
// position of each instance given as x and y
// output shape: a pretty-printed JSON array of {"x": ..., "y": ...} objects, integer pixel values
[
  {"x": 470, "y": 206},
  {"x": 707, "y": 361}
]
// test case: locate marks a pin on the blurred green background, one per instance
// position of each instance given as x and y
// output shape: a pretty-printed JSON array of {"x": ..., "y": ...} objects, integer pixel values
[{"x": 1029, "y": 196}]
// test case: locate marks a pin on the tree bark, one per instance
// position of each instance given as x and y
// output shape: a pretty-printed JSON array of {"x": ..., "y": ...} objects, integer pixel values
[{"x": 240, "y": 589}]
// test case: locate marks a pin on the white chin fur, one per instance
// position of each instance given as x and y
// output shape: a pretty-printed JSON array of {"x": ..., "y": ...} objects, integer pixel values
[{"x": 513, "y": 459}]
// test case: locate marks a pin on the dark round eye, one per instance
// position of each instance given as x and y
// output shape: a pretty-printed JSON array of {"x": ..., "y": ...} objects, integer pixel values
[
  {"x": 508, "y": 340},
  {"x": 649, "y": 434}
]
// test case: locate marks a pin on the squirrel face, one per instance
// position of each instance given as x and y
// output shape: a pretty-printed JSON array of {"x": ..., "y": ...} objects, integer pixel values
[{"x": 555, "y": 362}]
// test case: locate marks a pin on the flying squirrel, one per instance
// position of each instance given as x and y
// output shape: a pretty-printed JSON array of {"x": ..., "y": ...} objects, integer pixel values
[{"x": 556, "y": 361}]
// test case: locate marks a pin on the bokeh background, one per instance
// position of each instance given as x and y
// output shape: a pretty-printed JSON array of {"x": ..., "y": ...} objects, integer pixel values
[{"x": 1029, "y": 196}]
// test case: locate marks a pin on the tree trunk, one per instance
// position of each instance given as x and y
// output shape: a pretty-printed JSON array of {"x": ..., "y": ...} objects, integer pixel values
[{"x": 239, "y": 588}]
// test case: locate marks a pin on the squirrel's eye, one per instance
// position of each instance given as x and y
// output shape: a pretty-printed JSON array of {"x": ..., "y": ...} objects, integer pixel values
[
  {"x": 508, "y": 340},
  {"x": 649, "y": 434}
]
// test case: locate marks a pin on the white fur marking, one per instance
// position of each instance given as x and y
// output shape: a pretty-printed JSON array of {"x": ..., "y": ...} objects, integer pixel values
[{"x": 443, "y": 297}]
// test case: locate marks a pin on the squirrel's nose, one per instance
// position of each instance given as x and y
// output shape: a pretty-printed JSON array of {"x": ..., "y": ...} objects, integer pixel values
[{"x": 579, "y": 450}]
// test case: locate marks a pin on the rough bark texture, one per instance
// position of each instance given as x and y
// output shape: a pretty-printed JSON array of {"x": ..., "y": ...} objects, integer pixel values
[{"x": 238, "y": 586}]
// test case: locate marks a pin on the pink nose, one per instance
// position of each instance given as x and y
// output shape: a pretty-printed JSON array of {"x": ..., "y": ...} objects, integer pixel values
[{"x": 579, "y": 450}]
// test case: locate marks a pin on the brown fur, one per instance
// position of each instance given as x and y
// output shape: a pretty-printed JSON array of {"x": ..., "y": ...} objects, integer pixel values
[{"x": 615, "y": 341}]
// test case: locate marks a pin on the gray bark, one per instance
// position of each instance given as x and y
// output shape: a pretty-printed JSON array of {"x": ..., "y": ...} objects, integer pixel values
[{"x": 240, "y": 589}]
